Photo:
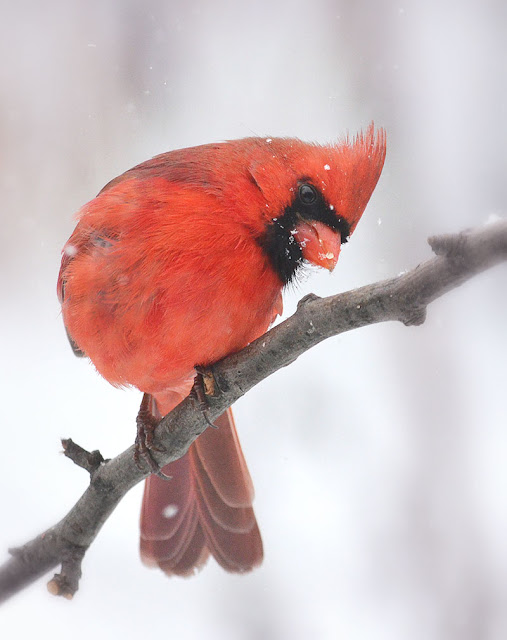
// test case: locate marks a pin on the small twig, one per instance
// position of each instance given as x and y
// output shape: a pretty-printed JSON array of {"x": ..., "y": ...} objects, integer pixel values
[
  {"x": 66, "y": 583},
  {"x": 89, "y": 460}
]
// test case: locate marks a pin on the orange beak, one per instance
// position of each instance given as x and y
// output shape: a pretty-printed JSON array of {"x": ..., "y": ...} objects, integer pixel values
[{"x": 320, "y": 244}]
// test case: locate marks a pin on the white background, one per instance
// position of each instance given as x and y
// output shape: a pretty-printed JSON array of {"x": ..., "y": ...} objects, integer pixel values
[{"x": 379, "y": 458}]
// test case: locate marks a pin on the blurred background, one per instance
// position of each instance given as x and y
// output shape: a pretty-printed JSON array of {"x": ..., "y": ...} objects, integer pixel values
[{"x": 379, "y": 457}]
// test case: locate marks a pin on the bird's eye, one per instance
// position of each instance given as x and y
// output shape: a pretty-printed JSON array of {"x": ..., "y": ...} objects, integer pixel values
[{"x": 307, "y": 193}]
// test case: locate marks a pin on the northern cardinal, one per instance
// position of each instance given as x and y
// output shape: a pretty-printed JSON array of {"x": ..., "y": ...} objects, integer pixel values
[{"x": 181, "y": 261}]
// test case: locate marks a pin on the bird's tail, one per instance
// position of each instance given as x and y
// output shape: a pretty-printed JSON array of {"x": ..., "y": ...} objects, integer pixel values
[{"x": 205, "y": 508}]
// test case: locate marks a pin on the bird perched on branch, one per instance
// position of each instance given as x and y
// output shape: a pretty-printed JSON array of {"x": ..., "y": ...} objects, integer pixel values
[{"x": 181, "y": 261}]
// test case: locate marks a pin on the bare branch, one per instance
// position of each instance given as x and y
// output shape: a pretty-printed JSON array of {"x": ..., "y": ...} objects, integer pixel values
[{"x": 405, "y": 298}]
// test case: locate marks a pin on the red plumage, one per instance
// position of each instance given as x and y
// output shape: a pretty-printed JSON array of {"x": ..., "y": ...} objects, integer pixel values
[{"x": 181, "y": 261}]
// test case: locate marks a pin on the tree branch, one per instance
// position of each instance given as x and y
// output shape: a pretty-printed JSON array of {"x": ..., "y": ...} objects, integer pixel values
[{"x": 404, "y": 298}]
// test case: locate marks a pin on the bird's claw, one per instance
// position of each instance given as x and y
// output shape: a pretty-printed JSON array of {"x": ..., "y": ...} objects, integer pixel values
[
  {"x": 146, "y": 425},
  {"x": 204, "y": 385}
]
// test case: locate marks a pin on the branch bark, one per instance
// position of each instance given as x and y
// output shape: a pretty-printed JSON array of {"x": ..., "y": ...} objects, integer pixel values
[{"x": 404, "y": 298}]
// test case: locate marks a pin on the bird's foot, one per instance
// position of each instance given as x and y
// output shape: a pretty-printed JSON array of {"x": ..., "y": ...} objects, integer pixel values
[
  {"x": 204, "y": 385},
  {"x": 146, "y": 425}
]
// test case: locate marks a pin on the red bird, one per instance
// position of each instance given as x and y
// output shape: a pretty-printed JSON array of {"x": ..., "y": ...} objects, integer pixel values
[{"x": 181, "y": 261}]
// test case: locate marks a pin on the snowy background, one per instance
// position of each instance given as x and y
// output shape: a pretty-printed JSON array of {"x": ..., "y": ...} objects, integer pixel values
[{"x": 380, "y": 457}]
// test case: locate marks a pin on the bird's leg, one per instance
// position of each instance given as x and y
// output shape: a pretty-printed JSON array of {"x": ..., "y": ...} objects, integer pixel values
[
  {"x": 204, "y": 385},
  {"x": 146, "y": 425}
]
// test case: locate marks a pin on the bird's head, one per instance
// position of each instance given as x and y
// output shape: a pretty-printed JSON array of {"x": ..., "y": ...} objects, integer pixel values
[{"x": 312, "y": 196}]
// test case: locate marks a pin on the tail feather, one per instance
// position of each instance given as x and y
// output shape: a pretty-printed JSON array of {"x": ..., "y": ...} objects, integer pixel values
[
  {"x": 154, "y": 551},
  {"x": 194, "y": 557},
  {"x": 220, "y": 453},
  {"x": 234, "y": 519},
  {"x": 161, "y": 516},
  {"x": 205, "y": 508},
  {"x": 235, "y": 552}
]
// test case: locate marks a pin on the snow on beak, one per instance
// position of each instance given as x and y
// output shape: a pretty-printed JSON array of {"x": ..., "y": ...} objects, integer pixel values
[{"x": 319, "y": 243}]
